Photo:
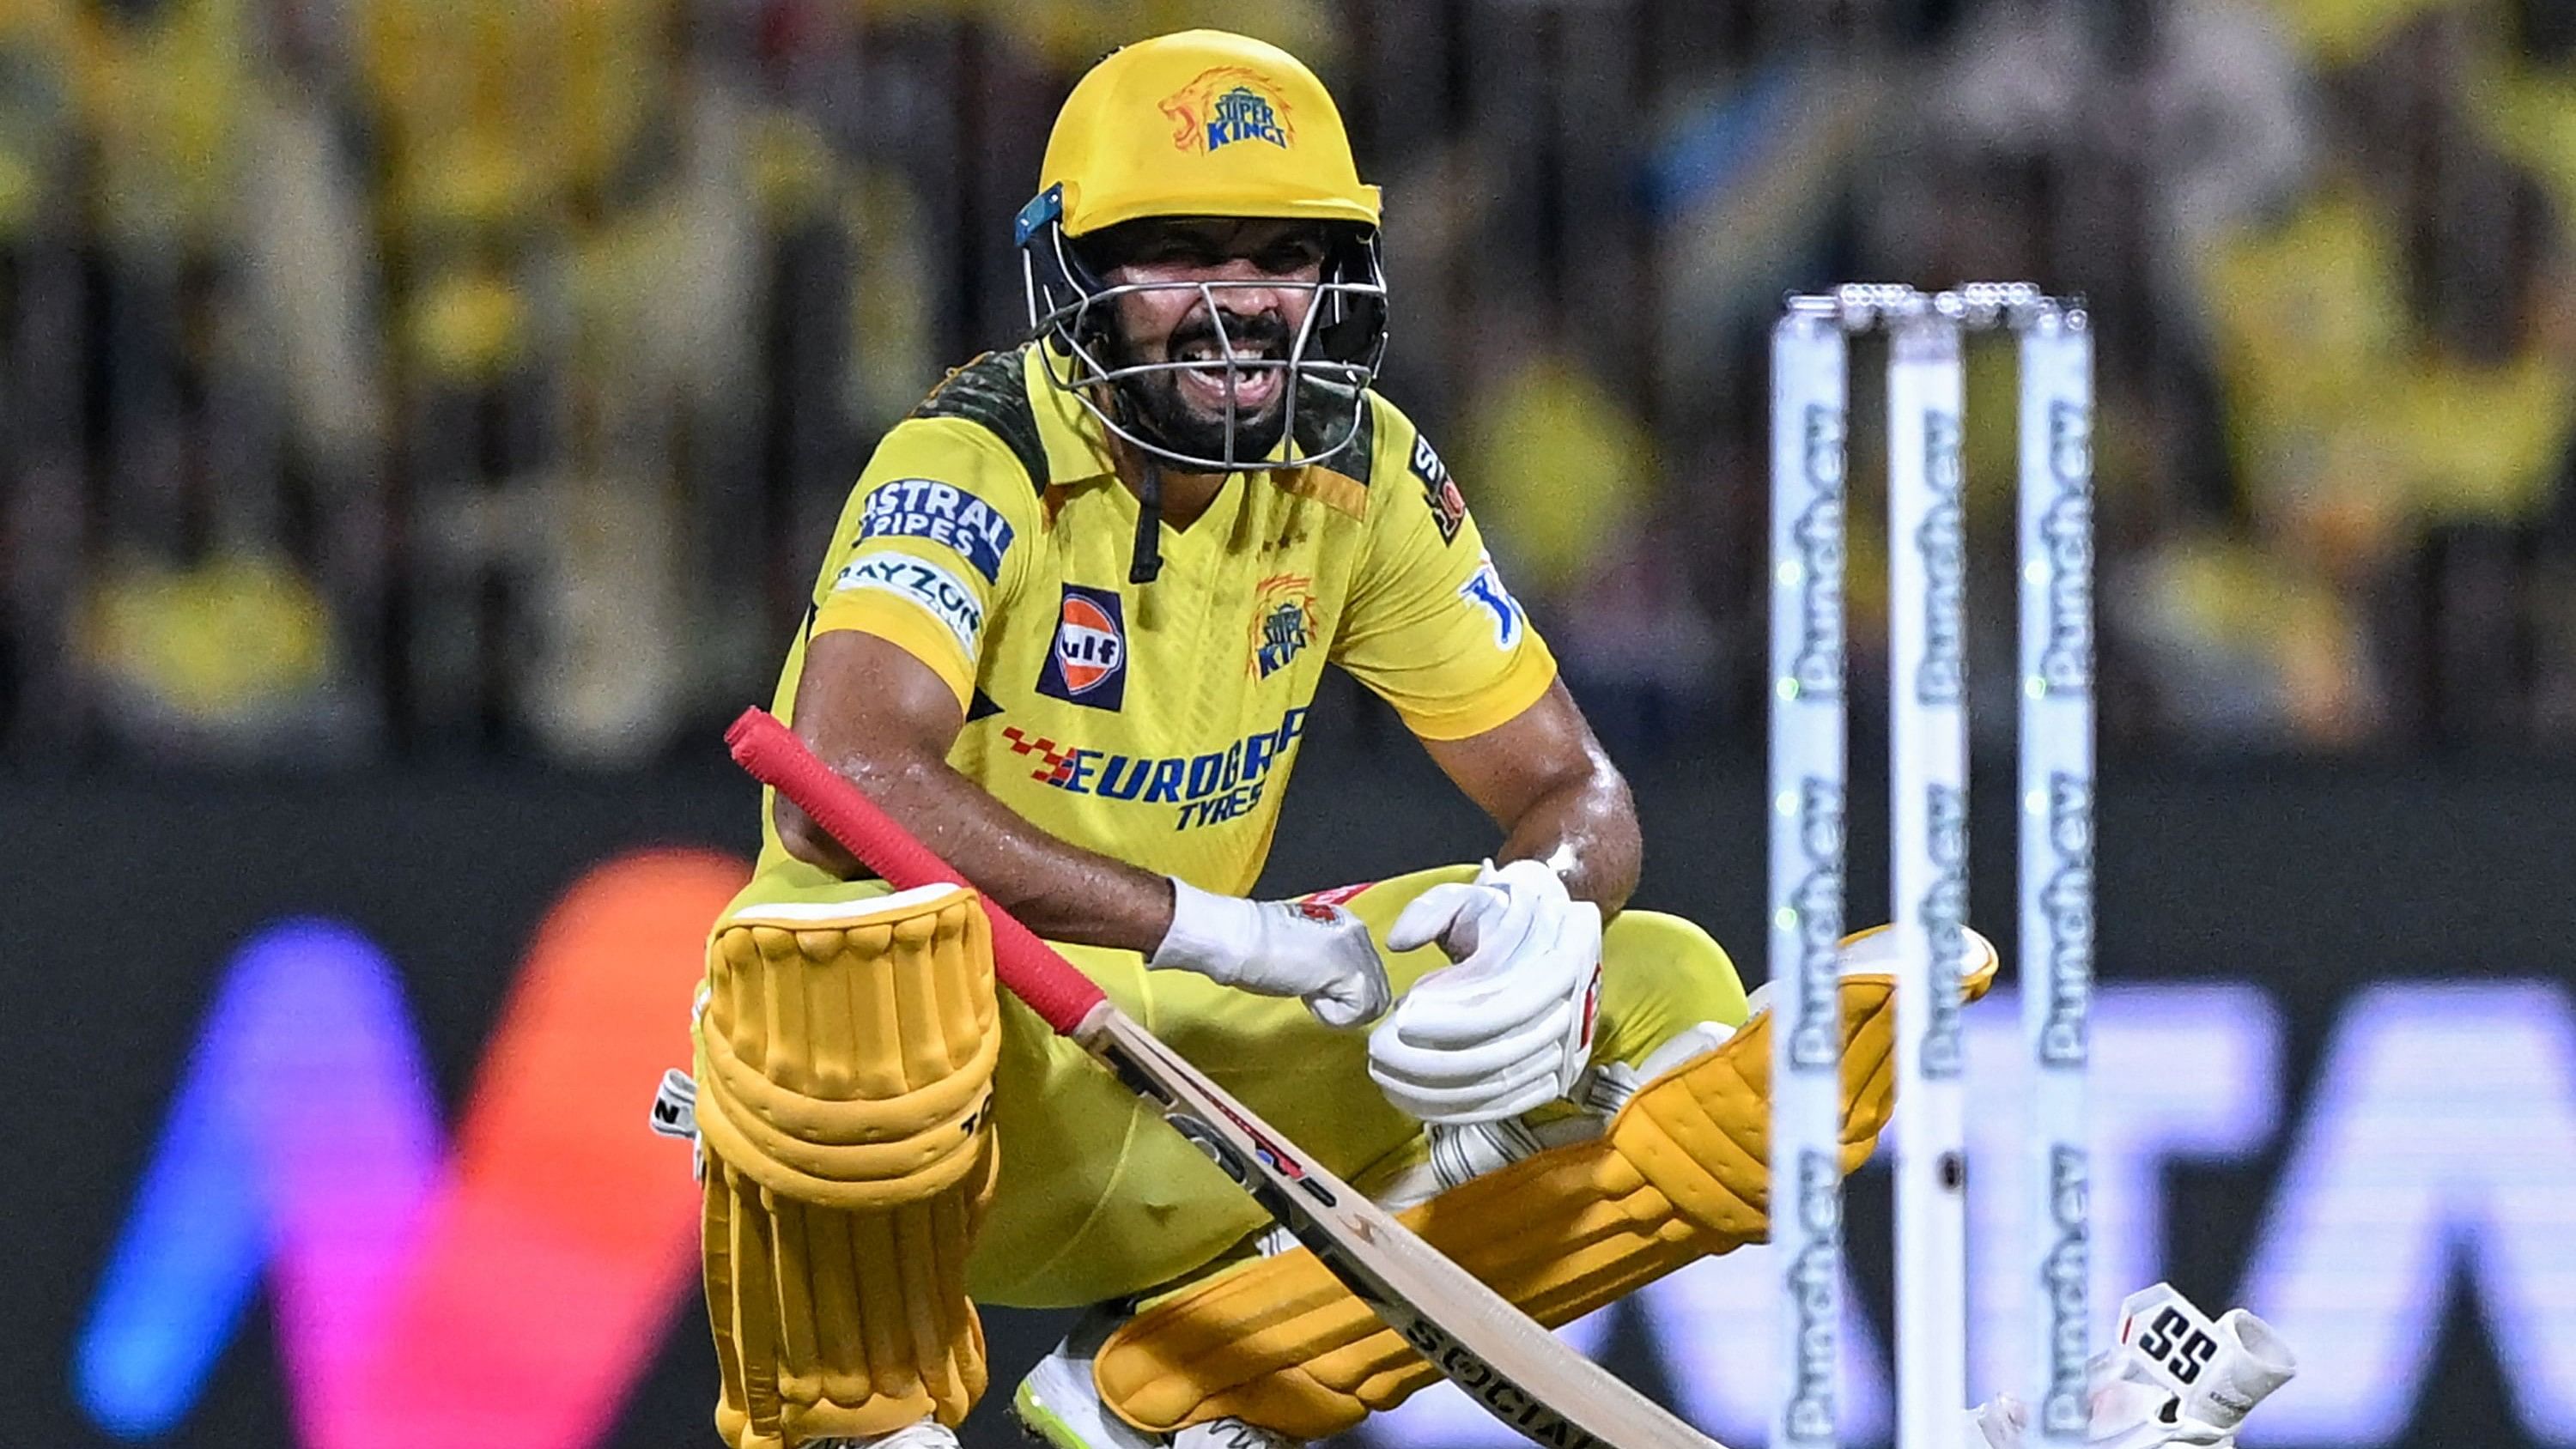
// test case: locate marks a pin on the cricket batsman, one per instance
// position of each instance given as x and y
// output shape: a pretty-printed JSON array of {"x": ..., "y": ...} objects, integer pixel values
[{"x": 1068, "y": 631}]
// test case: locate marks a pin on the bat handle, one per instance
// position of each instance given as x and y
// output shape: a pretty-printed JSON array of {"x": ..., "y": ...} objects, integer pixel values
[{"x": 1032, "y": 969}]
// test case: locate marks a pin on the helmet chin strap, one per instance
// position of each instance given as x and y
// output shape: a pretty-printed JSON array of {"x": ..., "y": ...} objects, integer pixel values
[
  {"x": 1145, "y": 560},
  {"x": 1145, "y": 556}
]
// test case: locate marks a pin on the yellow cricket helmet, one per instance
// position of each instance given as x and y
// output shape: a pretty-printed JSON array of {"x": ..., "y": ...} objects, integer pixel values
[
  {"x": 1202, "y": 123},
  {"x": 1205, "y": 123}
]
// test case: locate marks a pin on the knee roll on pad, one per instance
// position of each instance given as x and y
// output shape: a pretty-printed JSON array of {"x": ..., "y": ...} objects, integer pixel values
[
  {"x": 846, "y": 1049},
  {"x": 845, "y": 1067},
  {"x": 1681, "y": 1174}
]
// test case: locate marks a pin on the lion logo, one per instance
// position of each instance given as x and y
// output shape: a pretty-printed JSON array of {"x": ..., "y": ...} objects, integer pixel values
[{"x": 1229, "y": 104}]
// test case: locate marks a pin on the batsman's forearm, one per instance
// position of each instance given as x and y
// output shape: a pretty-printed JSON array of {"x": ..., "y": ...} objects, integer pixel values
[
  {"x": 1586, "y": 831},
  {"x": 1059, "y": 890}
]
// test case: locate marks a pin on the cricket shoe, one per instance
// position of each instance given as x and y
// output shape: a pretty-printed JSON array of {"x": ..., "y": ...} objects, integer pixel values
[
  {"x": 919, "y": 1434},
  {"x": 1059, "y": 1406}
]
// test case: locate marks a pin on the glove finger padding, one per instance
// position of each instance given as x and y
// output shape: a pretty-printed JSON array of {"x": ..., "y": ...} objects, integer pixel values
[
  {"x": 1475, "y": 1100},
  {"x": 1315, "y": 950},
  {"x": 1434, "y": 914},
  {"x": 1515, "y": 975},
  {"x": 1462, "y": 1045},
  {"x": 1519, "y": 954},
  {"x": 1533, "y": 1087},
  {"x": 1680, "y": 1175},
  {"x": 1395, "y": 1055}
]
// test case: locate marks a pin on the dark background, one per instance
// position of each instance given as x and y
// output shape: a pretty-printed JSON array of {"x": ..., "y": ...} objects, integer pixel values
[{"x": 125, "y": 892}]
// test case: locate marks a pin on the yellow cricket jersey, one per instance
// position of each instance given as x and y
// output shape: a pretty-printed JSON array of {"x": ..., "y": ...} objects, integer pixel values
[{"x": 989, "y": 537}]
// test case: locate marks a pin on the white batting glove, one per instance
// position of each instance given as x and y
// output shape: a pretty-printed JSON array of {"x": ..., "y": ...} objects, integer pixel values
[
  {"x": 1320, "y": 954},
  {"x": 2176, "y": 1378},
  {"x": 1509, "y": 1027}
]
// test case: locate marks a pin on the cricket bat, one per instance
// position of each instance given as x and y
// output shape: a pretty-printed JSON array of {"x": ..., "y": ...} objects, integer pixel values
[{"x": 1497, "y": 1354}]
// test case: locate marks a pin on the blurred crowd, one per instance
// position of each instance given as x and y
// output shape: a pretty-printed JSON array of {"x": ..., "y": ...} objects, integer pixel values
[{"x": 408, "y": 379}]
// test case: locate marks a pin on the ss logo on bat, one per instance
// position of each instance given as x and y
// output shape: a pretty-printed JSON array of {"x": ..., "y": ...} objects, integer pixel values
[{"x": 2182, "y": 1349}]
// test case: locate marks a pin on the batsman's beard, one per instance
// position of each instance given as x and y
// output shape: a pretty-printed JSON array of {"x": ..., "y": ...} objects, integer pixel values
[{"x": 1184, "y": 409}]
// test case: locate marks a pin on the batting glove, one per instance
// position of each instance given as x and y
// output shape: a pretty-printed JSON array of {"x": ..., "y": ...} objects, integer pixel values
[
  {"x": 1509, "y": 1027},
  {"x": 1318, "y": 953}
]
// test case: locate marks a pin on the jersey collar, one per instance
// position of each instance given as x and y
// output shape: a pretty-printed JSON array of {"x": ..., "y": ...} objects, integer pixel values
[{"x": 1075, "y": 451}]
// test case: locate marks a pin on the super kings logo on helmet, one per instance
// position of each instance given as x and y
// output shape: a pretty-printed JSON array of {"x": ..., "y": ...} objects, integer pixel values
[
  {"x": 1228, "y": 104},
  {"x": 1087, "y": 664}
]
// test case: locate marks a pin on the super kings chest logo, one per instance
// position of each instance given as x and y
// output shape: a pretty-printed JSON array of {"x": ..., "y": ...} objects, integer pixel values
[
  {"x": 1284, "y": 622},
  {"x": 1226, "y": 105}
]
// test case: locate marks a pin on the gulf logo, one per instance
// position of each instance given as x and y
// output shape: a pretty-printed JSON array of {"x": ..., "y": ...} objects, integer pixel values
[
  {"x": 1087, "y": 646},
  {"x": 1087, "y": 662}
]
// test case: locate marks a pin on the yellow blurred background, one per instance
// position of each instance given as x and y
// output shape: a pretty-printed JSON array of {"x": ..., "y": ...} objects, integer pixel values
[{"x": 399, "y": 379}]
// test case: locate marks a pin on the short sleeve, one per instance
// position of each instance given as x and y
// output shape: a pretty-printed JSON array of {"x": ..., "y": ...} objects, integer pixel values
[
  {"x": 932, "y": 543},
  {"x": 1430, "y": 627}
]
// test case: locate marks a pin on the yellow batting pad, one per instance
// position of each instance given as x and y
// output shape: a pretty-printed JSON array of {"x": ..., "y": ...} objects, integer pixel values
[
  {"x": 845, "y": 1070},
  {"x": 1681, "y": 1174},
  {"x": 847, "y": 1047},
  {"x": 838, "y": 1323}
]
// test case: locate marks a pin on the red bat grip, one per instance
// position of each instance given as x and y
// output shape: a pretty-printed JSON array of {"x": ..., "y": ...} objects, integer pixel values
[{"x": 1030, "y": 967}]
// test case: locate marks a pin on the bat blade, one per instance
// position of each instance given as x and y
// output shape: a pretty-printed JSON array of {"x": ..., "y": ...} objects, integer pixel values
[{"x": 1474, "y": 1336}]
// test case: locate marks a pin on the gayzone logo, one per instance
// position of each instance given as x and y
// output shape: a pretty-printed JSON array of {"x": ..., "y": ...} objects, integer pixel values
[
  {"x": 2066, "y": 539},
  {"x": 1818, "y": 533},
  {"x": 1815, "y": 1277},
  {"x": 1945, "y": 915},
  {"x": 1815, "y": 1037},
  {"x": 2066, "y": 1409},
  {"x": 2066, "y": 903},
  {"x": 1941, "y": 544}
]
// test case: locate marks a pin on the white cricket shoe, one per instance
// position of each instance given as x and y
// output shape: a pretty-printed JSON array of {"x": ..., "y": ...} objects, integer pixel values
[
  {"x": 1058, "y": 1405},
  {"x": 920, "y": 1434}
]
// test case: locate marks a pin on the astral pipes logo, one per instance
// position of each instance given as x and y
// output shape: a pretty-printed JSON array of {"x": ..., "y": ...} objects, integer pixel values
[{"x": 502, "y": 1295}]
